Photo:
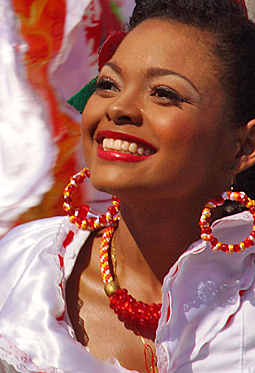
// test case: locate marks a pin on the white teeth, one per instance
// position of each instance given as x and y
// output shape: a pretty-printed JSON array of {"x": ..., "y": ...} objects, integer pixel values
[
  {"x": 124, "y": 146},
  {"x": 140, "y": 151},
  {"x": 110, "y": 143},
  {"x": 117, "y": 144},
  {"x": 133, "y": 148},
  {"x": 104, "y": 144}
]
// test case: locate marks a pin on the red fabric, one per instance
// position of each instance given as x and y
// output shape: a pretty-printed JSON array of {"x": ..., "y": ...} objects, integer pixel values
[{"x": 109, "y": 47}]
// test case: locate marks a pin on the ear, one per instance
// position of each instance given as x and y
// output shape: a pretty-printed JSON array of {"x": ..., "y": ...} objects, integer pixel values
[{"x": 246, "y": 155}]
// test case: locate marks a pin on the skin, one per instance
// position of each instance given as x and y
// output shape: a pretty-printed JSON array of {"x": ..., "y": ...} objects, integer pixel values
[{"x": 163, "y": 195}]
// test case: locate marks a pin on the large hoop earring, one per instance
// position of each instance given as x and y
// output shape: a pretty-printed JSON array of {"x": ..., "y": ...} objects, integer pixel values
[
  {"x": 206, "y": 231},
  {"x": 83, "y": 217}
]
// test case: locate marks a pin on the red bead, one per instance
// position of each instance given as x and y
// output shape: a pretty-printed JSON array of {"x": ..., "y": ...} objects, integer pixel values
[
  {"x": 114, "y": 198},
  {"x": 253, "y": 234},
  {"x": 87, "y": 173},
  {"x": 224, "y": 248},
  {"x": 67, "y": 199},
  {"x": 102, "y": 219},
  {"x": 143, "y": 322},
  {"x": 71, "y": 212},
  {"x": 252, "y": 209},
  {"x": 250, "y": 241},
  {"x": 206, "y": 230},
  {"x": 236, "y": 248},
  {"x": 246, "y": 243},
  {"x": 213, "y": 241},
  {"x": 79, "y": 220},
  {"x": 79, "y": 179},
  {"x": 153, "y": 320},
  {"x": 244, "y": 200},
  {"x": 90, "y": 222},
  {"x": 117, "y": 310},
  {"x": 125, "y": 315},
  {"x": 240, "y": 248},
  {"x": 132, "y": 315},
  {"x": 119, "y": 303},
  {"x": 112, "y": 210},
  {"x": 151, "y": 309},
  {"x": 71, "y": 188}
]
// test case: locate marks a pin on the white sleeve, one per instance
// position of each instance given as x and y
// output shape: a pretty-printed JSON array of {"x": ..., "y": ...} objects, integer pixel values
[
  {"x": 35, "y": 331},
  {"x": 20, "y": 247}
]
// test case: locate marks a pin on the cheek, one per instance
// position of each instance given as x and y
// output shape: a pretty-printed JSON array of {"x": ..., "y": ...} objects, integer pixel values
[
  {"x": 89, "y": 120},
  {"x": 90, "y": 117},
  {"x": 181, "y": 131}
]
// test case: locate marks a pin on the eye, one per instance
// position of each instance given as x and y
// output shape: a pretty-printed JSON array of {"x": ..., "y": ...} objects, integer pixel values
[
  {"x": 167, "y": 96},
  {"x": 105, "y": 86}
]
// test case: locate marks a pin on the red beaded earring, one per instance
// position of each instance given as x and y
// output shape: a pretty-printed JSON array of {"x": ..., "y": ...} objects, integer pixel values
[
  {"x": 83, "y": 217},
  {"x": 206, "y": 231}
]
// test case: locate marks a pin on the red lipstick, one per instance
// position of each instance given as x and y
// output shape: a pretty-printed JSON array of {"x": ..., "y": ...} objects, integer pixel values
[
  {"x": 125, "y": 137},
  {"x": 115, "y": 155}
]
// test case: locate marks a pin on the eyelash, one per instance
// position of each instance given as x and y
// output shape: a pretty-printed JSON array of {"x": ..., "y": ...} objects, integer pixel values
[
  {"x": 168, "y": 95},
  {"x": 105, "y": 84}
]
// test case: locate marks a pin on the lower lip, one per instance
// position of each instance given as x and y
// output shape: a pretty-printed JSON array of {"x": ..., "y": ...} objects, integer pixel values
[{"x": 111, "y": 155}]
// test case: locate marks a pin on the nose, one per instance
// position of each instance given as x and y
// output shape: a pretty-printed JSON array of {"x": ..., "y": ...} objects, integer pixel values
[{"x": 124, "y": 109}]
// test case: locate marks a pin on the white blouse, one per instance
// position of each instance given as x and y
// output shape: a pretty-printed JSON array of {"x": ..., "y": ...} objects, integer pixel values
[{"x": 208, "y": 306}]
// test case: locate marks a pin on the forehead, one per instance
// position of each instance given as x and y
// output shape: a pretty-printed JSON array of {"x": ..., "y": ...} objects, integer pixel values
[{"x": 170, "y": 45}]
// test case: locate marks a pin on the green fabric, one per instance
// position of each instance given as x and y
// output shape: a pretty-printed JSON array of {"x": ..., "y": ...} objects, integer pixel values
[{"x": 79, "y": 100}]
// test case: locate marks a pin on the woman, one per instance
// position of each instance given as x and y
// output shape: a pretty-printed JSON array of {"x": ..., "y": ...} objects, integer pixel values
[{"x": 171, "y": 122}]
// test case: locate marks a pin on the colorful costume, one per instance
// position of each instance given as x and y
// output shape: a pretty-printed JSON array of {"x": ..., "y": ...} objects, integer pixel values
[{"x": 207, "y": 310}]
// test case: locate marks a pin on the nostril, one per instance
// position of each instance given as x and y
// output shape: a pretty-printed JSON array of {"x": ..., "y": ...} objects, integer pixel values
[{"x": 124, "y": 120}]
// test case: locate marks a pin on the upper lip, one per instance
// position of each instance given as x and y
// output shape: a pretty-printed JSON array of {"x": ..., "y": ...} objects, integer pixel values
[{"x": 125, "y": 137}]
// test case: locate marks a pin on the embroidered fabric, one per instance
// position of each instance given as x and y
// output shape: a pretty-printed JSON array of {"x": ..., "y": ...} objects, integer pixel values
[
  {"x": 206, "y": 292},
  {"x": 202, "y": 295}
]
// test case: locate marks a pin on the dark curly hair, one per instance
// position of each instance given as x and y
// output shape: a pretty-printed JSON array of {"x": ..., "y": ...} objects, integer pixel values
[{"x": 234, "y": 37}]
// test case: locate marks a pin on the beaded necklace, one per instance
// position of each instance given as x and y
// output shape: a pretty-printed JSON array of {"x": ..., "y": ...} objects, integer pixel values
[
  {"x": 137, "y": 315},
  {"x": 133, "y": 313}
]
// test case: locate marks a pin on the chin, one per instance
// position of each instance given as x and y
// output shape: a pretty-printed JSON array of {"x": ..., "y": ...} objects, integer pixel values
[{"x": 107, "y": 183}]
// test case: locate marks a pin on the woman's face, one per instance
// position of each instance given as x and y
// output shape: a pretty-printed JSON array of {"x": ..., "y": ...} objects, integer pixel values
[{"x": 155, "y": 123}]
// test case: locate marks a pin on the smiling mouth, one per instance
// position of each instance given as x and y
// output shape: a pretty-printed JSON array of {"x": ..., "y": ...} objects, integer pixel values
[{"x": 126, "y": 147}]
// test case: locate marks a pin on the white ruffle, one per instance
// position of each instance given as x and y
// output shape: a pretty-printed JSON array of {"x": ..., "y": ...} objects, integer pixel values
[
  {"x": 32, "y": 301},
  {"x": 203, "y": 292}
]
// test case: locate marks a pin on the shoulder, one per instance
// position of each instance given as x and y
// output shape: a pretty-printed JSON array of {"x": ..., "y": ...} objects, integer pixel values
[
  {"x": 25, "y": 241},
  {"x": 36, "y": 244},
  {"x": 208, "y": 302}
]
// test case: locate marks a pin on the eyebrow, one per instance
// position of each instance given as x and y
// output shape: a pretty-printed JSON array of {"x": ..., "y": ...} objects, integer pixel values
[
  {"x": 154, "y": 72},
  {"x": 114, "y": 67}
]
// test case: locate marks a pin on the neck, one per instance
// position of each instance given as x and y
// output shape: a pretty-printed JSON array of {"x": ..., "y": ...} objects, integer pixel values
[{"x": 150, "y": 240}]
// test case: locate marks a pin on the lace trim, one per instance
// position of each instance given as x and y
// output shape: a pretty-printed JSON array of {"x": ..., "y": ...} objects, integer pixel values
[
  {"x": 8, "y": 351},
  {"x": 19, "y": 360}
]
